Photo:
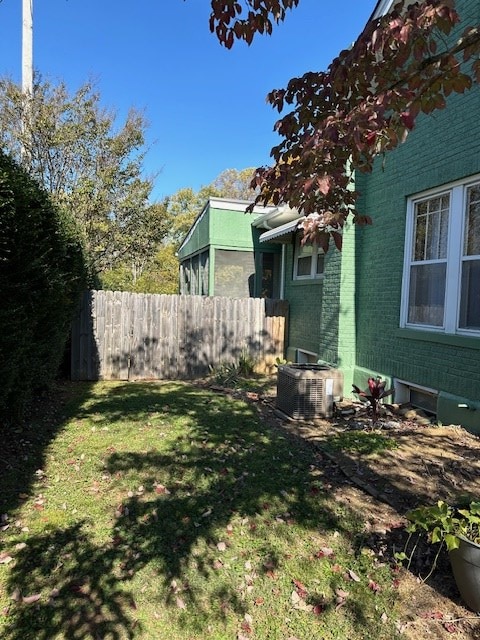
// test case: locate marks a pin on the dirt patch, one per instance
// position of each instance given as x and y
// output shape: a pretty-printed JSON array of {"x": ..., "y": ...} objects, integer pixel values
[{"x": 382, "y": 473}]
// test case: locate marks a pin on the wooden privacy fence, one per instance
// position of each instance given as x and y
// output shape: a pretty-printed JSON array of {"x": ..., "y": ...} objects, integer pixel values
[{"x": 126, "y": 336}]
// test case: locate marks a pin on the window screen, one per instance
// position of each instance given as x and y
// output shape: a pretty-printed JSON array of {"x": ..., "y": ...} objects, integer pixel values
[{"x": 234, "y": 273}]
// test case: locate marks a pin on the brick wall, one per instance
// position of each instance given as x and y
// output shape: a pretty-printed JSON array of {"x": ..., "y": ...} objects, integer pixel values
[
  {"x": 305, "y": 300},
  {"x": 443, "y": 147}
]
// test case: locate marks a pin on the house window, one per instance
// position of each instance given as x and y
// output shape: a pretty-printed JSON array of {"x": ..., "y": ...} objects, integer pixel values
[
  {"x": 308, "y": 261},
  {"x": 442, "y": 261}
]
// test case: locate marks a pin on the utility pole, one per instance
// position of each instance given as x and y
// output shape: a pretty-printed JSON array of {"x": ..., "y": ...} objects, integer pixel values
[
  {"x": 27, "y": 47},
  {"x": 27, "y": 66}
]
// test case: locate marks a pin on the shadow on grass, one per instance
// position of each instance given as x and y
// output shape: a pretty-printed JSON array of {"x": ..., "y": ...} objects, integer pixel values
[
  {"x": 224, "y": 465},
  {"x": 24, "y": 447},
  {"x": 85, "y": 597}
]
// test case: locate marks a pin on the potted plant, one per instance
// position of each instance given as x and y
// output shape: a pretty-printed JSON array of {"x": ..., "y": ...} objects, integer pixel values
[{"x": 458, "y": 529}]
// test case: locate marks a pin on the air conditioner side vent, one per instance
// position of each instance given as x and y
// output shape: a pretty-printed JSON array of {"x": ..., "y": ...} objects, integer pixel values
[{"x": 306, "y": 391}]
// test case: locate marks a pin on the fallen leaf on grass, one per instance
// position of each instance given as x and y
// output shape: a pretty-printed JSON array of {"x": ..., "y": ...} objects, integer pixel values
[
  {"x": 31, "y": 599},
  {"x": 353, "y": 576},
  {"x": 433, "y": 615},
  {"x": 5, "y": 558},
  {"x": 300, "y": 589},
  {"x": 374, "y": 586},
  {"x": 160, "y": 489},
  {"x": 450, "y": 627},
  {"x": 221, "y": 546},
  {"x": 246, "y": 627},
  {"x": 299, "y": 603},
  {"x": 180, "y": 603},
  {"x": 341, "y": 598},
  {"x": 324, "y": 552},
  {"x": 95, "y": 488}
]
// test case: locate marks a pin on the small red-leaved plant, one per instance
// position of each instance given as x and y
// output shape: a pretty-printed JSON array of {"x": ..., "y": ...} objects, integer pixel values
[{"x": 376, "y": 391}]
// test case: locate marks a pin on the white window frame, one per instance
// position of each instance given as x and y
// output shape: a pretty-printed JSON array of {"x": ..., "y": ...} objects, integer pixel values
[
  {"x": 299, "y": 252},
  {"x": 454, "y": 261}
]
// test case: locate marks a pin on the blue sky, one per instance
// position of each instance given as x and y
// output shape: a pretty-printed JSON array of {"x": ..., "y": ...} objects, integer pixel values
[{"x": 205, "y": 105}]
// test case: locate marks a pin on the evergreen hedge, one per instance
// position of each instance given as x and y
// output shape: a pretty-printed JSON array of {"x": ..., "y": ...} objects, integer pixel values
[{"x": 42, "y": 273}]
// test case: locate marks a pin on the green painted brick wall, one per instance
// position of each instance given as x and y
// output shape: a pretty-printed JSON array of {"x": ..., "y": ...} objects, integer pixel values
[
  {"x": 442, "y": 148},
  {"x": 305, "y": 307},
  {"x": 322, "y": 312}
]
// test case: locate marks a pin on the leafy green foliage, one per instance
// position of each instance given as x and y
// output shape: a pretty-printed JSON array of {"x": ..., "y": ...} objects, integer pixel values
[
  {"x": 158, "y": 275},
  {"x": 42, "y": 272},
  {"x": 440, "y": 524},
  {"x": 230, "y": 373},
  {"x": 443, "y": 523},
  {"x": 90, "y": 166}
]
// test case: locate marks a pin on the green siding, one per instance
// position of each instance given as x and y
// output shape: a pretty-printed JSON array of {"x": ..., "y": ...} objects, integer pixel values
[
  {"x": 231, "y": 229},
  {"x": 219, "y": 228},
  {"x": 199, "y": 239}
]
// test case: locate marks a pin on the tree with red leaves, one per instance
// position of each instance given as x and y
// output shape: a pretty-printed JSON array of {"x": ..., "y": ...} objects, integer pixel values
[{"x": 403, "y": 64}]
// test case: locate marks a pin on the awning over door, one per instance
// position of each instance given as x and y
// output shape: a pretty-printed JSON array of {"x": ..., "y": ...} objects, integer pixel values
[{"x": 281, "y": 233}]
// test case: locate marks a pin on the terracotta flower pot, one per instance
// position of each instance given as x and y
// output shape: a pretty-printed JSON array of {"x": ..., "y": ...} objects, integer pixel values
[{"x": 465, "y": 563}]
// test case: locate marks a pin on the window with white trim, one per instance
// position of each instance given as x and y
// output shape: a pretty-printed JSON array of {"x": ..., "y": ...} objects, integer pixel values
[
  {"x": 441, "y": 284},
  {"x": 308, "y": 261}
]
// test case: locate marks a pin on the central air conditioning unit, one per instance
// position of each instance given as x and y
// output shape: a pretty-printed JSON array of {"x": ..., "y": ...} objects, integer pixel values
[{"x": 308, "y": 391}]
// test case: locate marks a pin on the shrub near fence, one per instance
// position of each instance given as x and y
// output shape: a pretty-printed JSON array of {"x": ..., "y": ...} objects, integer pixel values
[
  {"x": 42, "y": 276},
  {"x": 127, "y": 336}
]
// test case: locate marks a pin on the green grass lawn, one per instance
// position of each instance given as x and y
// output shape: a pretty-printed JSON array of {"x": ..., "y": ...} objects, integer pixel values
[{"x": 163, "y": 510}]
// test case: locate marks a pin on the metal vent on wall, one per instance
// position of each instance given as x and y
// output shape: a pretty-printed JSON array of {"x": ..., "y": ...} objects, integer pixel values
[{"x": 307, "y": 391}]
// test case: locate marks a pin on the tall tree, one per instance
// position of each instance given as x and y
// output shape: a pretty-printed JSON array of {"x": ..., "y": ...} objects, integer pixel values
[
  {"x": 403, "y": 64},
  {"x": 183, "y": 207},
  {"x": 93, "y": 168},
  {"x": 235, "y": 183}
]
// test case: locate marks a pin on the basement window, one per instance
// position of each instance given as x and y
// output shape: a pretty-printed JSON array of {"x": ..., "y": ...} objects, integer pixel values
[
  {"x": 306, "y": 357},
  {"x": 418, "y": 396}
]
